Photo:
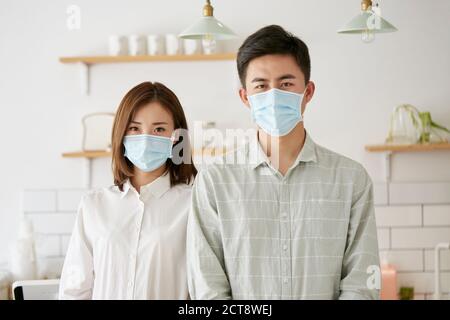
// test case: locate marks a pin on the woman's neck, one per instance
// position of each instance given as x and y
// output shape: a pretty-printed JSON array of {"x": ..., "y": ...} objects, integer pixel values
[{"x": 142, "y": 178}]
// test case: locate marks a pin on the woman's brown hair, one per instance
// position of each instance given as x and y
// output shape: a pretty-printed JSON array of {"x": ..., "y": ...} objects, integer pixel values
[{"x": 138, "y": 96}]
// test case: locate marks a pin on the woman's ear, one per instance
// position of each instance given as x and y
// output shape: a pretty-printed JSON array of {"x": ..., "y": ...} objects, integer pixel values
[{"x": 244, "y": 97}]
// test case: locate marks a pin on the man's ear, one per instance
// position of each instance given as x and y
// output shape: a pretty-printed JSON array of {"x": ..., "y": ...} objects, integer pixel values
[
  {"x": 309, "y": 91},
  {"x": 244, "y": 97}
]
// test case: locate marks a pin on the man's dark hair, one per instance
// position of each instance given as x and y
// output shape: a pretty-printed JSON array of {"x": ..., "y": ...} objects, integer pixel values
[{"x": 273, "y": 39}]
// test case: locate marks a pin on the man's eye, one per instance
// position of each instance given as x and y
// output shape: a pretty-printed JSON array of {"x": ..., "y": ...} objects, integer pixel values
[
  {"x": 286, "y": 84},
  {"x": 259, "y": 86}
]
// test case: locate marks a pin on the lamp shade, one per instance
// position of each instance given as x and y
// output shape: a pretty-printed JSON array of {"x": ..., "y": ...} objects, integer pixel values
[
  {"x": 367, "y": 20},
  {"x": 208, "y": 27}
]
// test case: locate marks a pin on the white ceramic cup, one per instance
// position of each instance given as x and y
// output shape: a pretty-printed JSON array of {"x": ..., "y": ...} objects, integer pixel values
[
  {"x": 209, "y": 46},
  {"x": 155, "y": 44},
  {"x": 137, "y": 45},
  {"x": 173, "y": 44},
  {"x": 117, "y": 45},
  {"x": 191, "y": 46}
]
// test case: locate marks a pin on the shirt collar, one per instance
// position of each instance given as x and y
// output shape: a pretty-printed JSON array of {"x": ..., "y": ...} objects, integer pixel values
[
  {"x": 257, "y": 155},
  {"x": 157, "y": 187}
]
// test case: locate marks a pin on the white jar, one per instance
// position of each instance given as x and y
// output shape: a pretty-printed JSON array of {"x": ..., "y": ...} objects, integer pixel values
[
  {"x": 117, "y": 45},
  {"x": 209, "y": 46},
  {"x": 173, "y": 44},
  {"x": 137, "y": 45},
  {"x": 155, "y": 44},
  {"x": 5, "y": 284},
  {"x": 191, "y": 46},
  {"x": 23, "y": 264}
]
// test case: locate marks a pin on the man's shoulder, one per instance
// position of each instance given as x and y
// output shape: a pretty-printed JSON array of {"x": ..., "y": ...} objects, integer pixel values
[
  {"x": 333, "y": 159},
  {"x": 344, "y": 167}
]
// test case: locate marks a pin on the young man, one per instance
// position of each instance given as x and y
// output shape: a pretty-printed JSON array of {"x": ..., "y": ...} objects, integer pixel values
[{"x": 297, "y": 221}]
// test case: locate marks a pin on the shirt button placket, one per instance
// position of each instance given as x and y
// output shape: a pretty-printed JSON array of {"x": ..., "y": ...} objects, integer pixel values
[
  {"x": 285, "y": 242},
  {"x": 135, "y": 245}
]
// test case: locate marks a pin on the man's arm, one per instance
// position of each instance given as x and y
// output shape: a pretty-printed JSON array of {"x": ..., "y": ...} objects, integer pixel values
[
  {"x": 361, "y": 260},
  {"x": 207, "y": 277}
]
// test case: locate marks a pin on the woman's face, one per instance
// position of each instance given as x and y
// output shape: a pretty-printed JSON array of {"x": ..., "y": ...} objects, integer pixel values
[{"x": 152, "y": 119}]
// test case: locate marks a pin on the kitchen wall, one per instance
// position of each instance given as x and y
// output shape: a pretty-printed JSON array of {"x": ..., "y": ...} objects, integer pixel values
[
  {"x": 412, "y": 218},
  {"x": 358, "y": 85}
]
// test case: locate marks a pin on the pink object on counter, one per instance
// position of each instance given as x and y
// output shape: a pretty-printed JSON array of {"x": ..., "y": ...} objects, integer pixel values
[{"x": 388, "y": 282}]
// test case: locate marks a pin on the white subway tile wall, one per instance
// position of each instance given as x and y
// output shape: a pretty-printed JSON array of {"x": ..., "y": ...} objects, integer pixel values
[
  {"x": 52, "y": 213},
  {"x": 399, "y": 216},
  {"x": 411, "y": 218},
  {"x": 380, "y": 193},
  {"x": 436, "y": 215},
  {"x": 419, "y": 193}
]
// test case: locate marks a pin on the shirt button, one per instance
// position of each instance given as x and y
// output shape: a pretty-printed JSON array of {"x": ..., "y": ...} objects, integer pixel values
[
  {"x": 284, "y": 215},
  {"x": 285, "y": 247},
  {"x": 286, "y": 280},
  {"x": 130, "y": 283}
]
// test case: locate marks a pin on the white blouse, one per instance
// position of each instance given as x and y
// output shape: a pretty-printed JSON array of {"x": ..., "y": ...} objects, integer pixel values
[{"x": 127, "y": 245}]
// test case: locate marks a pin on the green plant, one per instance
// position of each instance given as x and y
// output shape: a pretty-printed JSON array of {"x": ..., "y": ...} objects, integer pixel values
[
  {"x": 406, "y": 293},
  {"x": 421, "y": 121}
]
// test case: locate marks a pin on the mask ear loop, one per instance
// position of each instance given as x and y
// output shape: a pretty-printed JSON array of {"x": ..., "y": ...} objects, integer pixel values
[{"x": 175, "y": 137}]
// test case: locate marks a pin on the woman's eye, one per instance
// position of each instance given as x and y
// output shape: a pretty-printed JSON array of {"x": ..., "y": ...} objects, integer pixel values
[
  {"x": 133, "y": 129},
  {"x": 160, "y": 129}
]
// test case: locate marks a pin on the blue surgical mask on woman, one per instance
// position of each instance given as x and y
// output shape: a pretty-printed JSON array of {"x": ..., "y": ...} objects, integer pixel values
[
  {"x": 276, "y": 111},
  {"x": 147, "y": 152}
]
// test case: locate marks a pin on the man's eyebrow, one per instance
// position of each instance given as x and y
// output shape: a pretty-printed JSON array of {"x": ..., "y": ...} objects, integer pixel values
[
  {"x": 259, "y": 80},
  {"x": 283, "y": 77},
  {"x": 287, "y": 76}
]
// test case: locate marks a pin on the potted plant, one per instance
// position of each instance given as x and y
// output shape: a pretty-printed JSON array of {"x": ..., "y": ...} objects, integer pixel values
[{"x": 408, "y": 125}]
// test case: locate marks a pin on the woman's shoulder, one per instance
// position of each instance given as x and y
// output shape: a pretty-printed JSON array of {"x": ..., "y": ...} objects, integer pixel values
[
  {"x": 182, "y": 189},
  {"x": 101, "y": 193}
]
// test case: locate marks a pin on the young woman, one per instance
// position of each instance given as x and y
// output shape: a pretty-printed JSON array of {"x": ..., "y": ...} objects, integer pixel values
[{"x": 129, "y": 239}]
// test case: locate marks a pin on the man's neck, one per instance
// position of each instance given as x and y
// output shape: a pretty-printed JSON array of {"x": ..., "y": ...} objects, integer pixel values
[{"x": 283, "y": 151}]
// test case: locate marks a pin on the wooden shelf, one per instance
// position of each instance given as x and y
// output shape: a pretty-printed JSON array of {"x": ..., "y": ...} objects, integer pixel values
[
  {"x": 159, "y": 58},
  {"x": 87, "y": 154},
  {"x": 85, "y": 62},
  {"x": 408, "y": 147},
  {"x": 105, "y": 154}
]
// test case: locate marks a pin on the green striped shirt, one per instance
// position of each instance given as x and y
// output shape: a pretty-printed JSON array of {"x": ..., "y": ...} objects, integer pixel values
[{"x": 256, "y": 234}]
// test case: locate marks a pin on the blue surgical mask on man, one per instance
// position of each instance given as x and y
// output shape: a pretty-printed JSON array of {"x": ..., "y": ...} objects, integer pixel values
[
  {"x": 276, "y": 111},
  {"x": 147, "y": 152}
]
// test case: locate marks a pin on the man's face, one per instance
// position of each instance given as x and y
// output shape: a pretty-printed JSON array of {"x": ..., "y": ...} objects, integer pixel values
[{"x": 275, "y": 71}]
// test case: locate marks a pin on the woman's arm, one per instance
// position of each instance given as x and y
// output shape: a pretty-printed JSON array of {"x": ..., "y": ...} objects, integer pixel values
[{"x": 77, "y": 276}]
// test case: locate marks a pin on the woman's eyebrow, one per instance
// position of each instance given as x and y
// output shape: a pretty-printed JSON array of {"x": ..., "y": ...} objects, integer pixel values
[
  {"x": 132, "y": 121},
  {"x": 158, "y": 123}
]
